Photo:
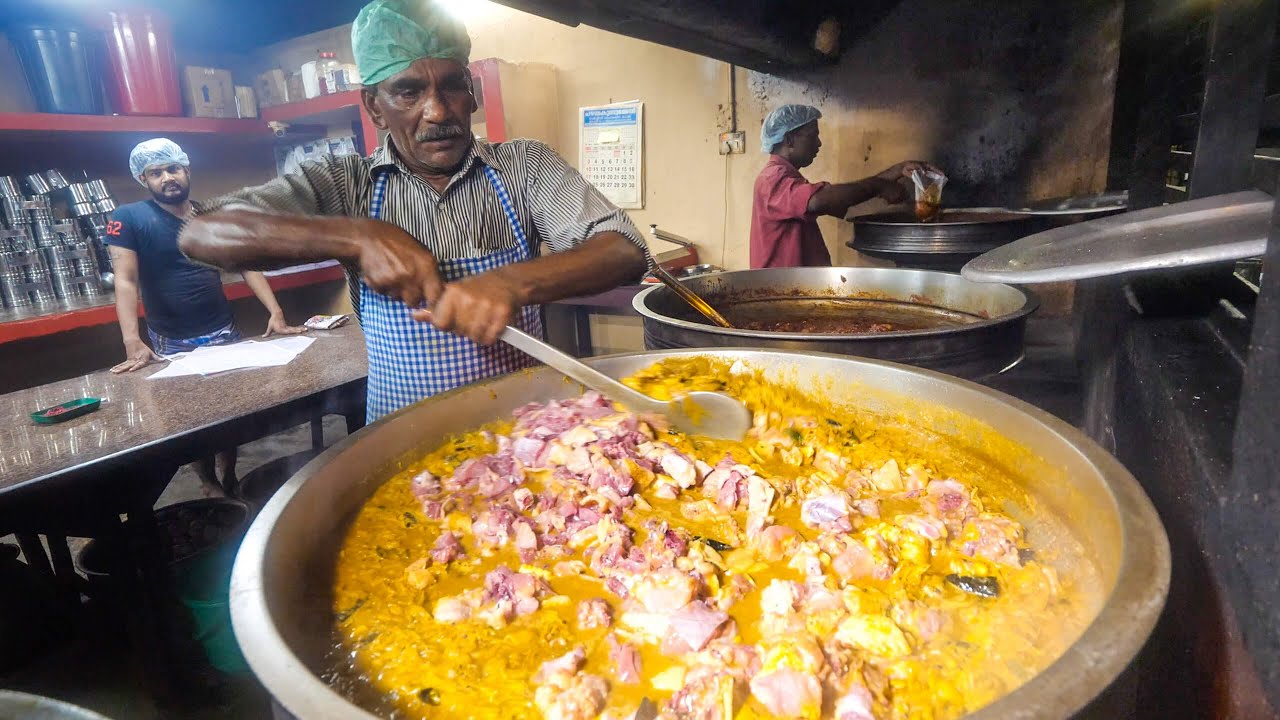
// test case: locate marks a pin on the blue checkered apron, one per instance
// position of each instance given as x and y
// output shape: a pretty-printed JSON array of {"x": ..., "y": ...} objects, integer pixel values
[{"x": 410, "y": 360}]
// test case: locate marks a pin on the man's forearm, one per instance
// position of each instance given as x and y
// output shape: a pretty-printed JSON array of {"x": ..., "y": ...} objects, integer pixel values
[
  {"x": 127, "y": 310},
  {"x": 243, "y": 239},
  {"x": 837, "y": 199},
  {"x": 601, "y": 263},
  {"x": 261, "y": 288}
]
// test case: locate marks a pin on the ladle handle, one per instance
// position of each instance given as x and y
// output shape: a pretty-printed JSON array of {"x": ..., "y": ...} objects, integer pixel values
[
  {"x": 689, "y": 296},
  {"x": 583, "y": 373}
]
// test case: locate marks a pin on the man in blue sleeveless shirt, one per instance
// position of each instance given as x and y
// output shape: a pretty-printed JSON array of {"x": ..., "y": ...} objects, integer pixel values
[{"x": 441, "y": 233}]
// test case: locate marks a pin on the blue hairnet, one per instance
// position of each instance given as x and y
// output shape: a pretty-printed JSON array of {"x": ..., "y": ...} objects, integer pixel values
[
  {"x": 782, "y": 121},
  {"x": 160, "y": 151}
]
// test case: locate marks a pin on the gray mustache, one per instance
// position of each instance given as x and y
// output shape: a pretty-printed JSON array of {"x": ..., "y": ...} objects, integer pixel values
[{"x": 440, "y": 132}]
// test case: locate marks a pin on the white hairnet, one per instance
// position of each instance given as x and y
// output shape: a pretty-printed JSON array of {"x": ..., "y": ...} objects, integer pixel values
[
  {"x": 782, "y": 121},
  {"x": 160, "y": 151}
]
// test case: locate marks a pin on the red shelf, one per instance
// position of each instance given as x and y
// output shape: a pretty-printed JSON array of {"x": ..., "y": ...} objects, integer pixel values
[
  {"x": 42, "y": 325},
  {"x": 307, "y": 109},
  {"x": 339, "y": 108},
  {"x": 51, "y": 122}
]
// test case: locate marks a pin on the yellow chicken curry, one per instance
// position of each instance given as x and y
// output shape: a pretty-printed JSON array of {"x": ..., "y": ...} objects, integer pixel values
[{"x": 577, "y": 561}]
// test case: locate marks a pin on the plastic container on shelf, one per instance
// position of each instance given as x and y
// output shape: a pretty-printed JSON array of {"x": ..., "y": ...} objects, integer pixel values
[
  {"x": 310, "y": 74},
  {"x": 60, "y": 65},
  {"x": 330, "y": 72},
  {"x": 143, "y": 77}
]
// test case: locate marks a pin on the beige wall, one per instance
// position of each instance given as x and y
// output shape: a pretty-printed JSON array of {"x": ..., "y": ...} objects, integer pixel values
[
  {"x": 685, "y": 105},
  {"x": 949, "y": 95}
]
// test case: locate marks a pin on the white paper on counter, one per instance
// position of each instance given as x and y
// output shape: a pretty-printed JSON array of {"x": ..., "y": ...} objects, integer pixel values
[{"x": 238, "y": 356}]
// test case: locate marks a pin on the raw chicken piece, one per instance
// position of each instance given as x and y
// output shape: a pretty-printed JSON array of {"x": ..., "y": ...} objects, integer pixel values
[
  {"x": 775, "y": 541},
  {"x": 876, "y": 634},
  {"x": 664, "y": 591},
  {"x": 565, "y": 692},
  {"x": 446, "y": 548},
  {"x": 994, "y": 538},
  {"x": 453, "y": 609},
  {"x": 787, "y": 684},
  {"x": 825, "y": 509},
  {"x": 921, "y": 620},
  {"x": 927, "y": 527},
  {"x": 594, "y": 613},
  {"x": 708, "y": 693},
  {"x": 691, "y": 628},
  {"x": 855, "y": 704},
  {"x": 680, "y": 468},
  {"x": 760, "y": 496},
  {"x": 626, "y": 660},
  {"x": 887, "y": 478}
]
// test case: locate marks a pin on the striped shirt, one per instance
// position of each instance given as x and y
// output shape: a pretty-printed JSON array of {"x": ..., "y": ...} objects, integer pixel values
[{"x": 554, "y": 204}]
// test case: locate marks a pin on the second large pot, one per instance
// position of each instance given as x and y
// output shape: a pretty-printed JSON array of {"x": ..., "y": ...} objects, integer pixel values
[
  {"x": 956, "y": 238},
  {"x": 978, "y": 331}
]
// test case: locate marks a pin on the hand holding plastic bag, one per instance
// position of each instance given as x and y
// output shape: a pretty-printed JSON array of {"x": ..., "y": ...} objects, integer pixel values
[{"x": 928, "y": 193}]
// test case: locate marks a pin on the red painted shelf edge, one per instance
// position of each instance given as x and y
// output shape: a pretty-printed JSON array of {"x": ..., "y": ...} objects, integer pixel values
[
  {"x": 312, "y": 106},
  {"x": 53, "y": 122},
  {"x": 103, "y": 314}
]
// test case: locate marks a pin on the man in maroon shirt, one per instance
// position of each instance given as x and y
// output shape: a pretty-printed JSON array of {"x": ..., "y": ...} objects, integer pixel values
[{"x": 786, "y": 206}]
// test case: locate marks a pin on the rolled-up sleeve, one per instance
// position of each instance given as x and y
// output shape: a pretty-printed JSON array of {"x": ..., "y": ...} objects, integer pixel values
[
  {"x": 787, "y": 196},
  {"x": 566, "y": 209},
  {"x": 320, "y": 187}
]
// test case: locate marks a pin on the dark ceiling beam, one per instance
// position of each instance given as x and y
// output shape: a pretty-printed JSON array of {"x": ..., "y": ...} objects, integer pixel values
[{"x": 765, "y": 35}]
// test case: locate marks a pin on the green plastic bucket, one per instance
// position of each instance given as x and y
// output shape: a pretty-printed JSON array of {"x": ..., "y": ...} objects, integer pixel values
[
  {"x": 212, "y": 619},
  {"x": 202, "y": 579},
  {"x": 200, "y": 539}
]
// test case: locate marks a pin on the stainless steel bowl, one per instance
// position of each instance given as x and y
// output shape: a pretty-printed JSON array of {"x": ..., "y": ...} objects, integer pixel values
[
  {"x": 84, "y": 209},
  {"x": 105, "y": 205},
  {"x": 56, "y": 179},
  {"x": 98, "y": 189},
  {"x": 9, "y": 187},
  {"x": 280, "y": 601},
  {"x": 79, "y": 193},
  {"x": 696, "y": 270},
  {"x": 37, "y": 184},
  {"x": 989, "y": 343}
]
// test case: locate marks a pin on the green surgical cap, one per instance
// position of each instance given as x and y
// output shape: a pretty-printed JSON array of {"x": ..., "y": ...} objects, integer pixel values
[{"x": 388, "y": 35}]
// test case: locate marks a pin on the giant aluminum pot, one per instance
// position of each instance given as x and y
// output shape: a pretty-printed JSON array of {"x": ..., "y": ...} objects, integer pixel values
[
  {"x": 990, "y": 343},
  {"x": 280, "y": 602}
]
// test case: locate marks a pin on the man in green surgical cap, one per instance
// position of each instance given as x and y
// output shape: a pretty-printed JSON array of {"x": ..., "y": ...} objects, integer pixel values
[{"x": 441, "y": 233}]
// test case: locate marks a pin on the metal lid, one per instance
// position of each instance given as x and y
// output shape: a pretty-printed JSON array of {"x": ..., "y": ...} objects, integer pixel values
[
  {"x": 37, "y": 707},
  {"x": 1210, "y": 230},
  {"x": 1077, "y": 205}
]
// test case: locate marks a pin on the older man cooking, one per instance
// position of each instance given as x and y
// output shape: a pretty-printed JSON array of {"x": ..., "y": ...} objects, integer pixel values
[{"x": 440, "y": 232}]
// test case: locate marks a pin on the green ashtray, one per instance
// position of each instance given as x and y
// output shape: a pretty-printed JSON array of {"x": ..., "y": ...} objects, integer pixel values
[{"x": 66, "y": 411}]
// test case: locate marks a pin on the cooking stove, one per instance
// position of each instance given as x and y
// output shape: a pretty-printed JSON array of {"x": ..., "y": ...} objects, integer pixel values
[{"x": 1166, "y": 392}]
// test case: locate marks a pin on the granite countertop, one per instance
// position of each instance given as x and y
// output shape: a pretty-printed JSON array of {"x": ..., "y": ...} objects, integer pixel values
[{"x": 136, "y": 411}]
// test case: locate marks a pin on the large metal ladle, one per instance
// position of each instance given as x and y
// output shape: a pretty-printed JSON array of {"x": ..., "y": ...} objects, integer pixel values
[
  {"x": 712, "y": 414},
  {"x": 690, "y": 296}
]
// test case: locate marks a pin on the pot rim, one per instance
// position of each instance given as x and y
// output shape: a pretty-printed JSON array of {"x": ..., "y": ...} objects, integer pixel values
[
  {"x": 998, "y": 216},
  {"x": 1084, "y": 670},
  {"x": 1030, "y": 303}
]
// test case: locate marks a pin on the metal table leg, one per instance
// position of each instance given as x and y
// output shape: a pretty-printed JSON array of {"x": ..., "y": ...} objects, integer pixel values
[
  {"x": 317, "y": 433},
  {"x": 582, "y": 332}
]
